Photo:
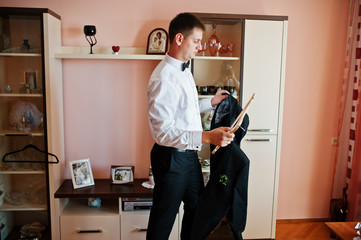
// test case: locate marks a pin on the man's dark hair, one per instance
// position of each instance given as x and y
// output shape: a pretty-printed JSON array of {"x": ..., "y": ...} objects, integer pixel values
[{"x": 184, "y": 23}]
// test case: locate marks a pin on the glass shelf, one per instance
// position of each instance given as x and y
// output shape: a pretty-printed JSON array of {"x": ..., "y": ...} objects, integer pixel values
[
  {"x": 6, "y": 207},
  {"x": 215, "y": 58},
  {"x": 22, "y": 171},
  {"x": 205, "y": 96},
  {"x": 13, "y": 132},
  {"x": 39, "y": 95}
]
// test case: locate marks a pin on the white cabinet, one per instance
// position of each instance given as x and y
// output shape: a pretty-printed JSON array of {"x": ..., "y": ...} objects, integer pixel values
[
  {"x": 78, "y": 221},
  {"x": 263, "y": 74},
  {"x": 134, "y": 226},
  {"x": 258, "y": 63},
  {"x": 262, "y": 69},
  {"x": 261, "y": 150},
  {"x": 109, "y": 221}
]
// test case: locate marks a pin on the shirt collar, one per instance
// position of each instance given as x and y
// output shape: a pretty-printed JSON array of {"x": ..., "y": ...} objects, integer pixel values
[{"x": 174, "y": 62}]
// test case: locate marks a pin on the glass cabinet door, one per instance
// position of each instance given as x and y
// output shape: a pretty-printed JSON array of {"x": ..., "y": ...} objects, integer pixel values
[
  {"x": 23, "y": 180},
  {"x": 217, "y": 66}
]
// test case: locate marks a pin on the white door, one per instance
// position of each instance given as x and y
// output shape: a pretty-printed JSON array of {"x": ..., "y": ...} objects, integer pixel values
[
  {"x": 262, "y": 73},
  {"x": 261, "y": 151}
]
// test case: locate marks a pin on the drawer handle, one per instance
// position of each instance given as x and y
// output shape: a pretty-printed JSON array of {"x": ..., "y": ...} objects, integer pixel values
[
  {"x": 260, "y": 130},
  {"x": 258, "y": 140},
  {"x": 142, "y": 229},
  {"x": 90, "y": 231}
]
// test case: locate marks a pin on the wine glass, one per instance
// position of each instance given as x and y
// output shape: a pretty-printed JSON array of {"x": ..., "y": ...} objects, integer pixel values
[
  {"x": 204, "y": 48},
  {"x": 217, "y": 47},
  {"x": 230, "y": 47},
  {"x": 225, "y": 48}
]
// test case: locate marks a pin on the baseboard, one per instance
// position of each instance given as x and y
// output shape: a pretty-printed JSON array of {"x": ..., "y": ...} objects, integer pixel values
[{"x": 304, "y": 220}]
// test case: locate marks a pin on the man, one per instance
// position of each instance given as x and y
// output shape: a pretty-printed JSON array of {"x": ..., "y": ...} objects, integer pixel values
[{"x": 175, "y": 124}]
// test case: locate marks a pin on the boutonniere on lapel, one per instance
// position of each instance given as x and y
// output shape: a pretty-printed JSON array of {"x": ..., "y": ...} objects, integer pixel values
[{"x": 223, "y": 179}]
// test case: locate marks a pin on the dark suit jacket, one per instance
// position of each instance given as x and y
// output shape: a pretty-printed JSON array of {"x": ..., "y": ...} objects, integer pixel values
[{"x": 226, "y": 191}]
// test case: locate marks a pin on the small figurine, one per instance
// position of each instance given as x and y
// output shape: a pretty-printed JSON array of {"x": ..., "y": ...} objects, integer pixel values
[{"x": 94, "y": 202}]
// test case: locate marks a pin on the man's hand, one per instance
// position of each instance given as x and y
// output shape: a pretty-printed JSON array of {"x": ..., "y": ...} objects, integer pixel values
[
  {"x": 218, "y": 137},
  {"x": 219, "y": 97}
]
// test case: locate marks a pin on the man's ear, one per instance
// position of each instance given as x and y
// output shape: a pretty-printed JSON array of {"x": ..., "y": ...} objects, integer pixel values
[{"x": 179, "y": 39}]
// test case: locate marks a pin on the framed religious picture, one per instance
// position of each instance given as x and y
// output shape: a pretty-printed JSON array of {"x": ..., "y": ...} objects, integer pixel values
[
  {"x": 81, "y": 173},
  {"x": 157, "y": 41},
  {"x": 122, "y": 174}
]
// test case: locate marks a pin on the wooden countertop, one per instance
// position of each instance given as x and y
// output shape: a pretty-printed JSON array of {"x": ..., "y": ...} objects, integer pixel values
[
  {"x": 105, "y": 189},
  {"x": 343, "y": 230}
]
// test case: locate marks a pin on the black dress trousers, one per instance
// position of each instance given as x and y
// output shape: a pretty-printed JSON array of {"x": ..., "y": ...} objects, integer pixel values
[{"x": 178, "y": 177}]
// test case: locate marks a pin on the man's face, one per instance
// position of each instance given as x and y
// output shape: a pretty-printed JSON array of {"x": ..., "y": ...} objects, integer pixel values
[{"x": 192, "y": 44}]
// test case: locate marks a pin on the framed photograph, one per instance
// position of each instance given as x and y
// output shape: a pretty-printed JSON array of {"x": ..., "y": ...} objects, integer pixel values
[
  {"x": 122, "y": 174},
  {"x": 157, "y": 41},
  {"x": 81, "y": 173},
  {"x": 31, "y": 78}
]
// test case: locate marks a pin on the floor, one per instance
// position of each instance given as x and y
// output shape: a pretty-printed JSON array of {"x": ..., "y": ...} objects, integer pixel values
[{"x": 284, "y": 231}]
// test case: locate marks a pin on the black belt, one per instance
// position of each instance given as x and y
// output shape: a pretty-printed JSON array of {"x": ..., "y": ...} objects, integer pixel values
[
  {"x": 177, "y": 149},
  {"x": 183, "y": 150}
]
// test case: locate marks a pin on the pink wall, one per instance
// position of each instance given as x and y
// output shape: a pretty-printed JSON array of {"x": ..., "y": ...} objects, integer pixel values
[{"x": 105, "y": 100}]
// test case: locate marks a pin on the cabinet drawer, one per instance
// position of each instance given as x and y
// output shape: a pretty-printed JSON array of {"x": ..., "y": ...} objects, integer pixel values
[
  {"x": 90, "y": 227},
  {"x": 134, "y": 226}
]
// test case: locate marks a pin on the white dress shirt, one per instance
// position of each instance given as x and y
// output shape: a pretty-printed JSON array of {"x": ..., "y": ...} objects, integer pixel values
[{"x": 173, "y": 106}]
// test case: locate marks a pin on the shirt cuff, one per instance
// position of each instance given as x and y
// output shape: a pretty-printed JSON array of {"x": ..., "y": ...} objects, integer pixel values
[
  {"x": 205, "y": 105},
  {"x": 196, "y": 140}
]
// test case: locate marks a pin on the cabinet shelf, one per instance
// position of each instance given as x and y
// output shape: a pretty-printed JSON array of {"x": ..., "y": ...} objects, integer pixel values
[
  {"x": 20, "y": 54},
  {"x": 210, "y": 96},
  {"x": 206, "y": 169},
  {"x": 6, "y": 207},
  {"x": 13, "y": 132},
  {"x": 105, "y": 53},
  {"x": 124, "y": 54},
  {"x": 109, "y": 56},
  {"x": 215, "y": 58},
  {"x": 80, "y": 207},
  {"x": 36, "y": 95},
  {"x": 21, "y": 171}
]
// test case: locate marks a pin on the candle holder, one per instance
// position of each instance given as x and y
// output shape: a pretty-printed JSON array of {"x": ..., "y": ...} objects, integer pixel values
[{"x": 90, "y": 31}]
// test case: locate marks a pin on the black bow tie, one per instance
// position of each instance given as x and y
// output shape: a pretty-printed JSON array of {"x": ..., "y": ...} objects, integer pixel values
[{"x": 185, "y": 65}]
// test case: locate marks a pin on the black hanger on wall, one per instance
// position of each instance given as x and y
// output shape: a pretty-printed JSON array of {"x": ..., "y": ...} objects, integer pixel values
[{"x": 29, "y": 161}]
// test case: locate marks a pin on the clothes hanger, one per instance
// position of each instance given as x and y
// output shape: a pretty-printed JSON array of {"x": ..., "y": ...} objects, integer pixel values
[{"x": 29, "y": 161}]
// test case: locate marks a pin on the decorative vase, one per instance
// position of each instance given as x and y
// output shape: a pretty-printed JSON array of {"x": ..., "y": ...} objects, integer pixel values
[
  {"x": 213, "y": 42},
  {"x": 26, "y": 46},
  {"x": 8, "y": 89}
]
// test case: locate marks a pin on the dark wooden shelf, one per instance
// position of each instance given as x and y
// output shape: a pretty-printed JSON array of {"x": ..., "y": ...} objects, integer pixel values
[{"x": 105, "y": 189}]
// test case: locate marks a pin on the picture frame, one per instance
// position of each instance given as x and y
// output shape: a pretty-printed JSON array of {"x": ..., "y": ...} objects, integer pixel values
[
  {"x": 157, "y": 41},
  {"x": 31, "y": 78},
  {"x": 122, "y": 174},
  {"x": 81, "y": 173}
]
